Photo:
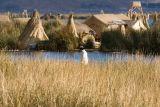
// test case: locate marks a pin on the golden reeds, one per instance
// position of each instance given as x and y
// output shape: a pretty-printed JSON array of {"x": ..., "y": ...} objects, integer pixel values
[{"x": 66, "y": 83}]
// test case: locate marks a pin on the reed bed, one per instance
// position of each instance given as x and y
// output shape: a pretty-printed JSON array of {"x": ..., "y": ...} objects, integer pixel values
[{"x": 66, "y": 83}]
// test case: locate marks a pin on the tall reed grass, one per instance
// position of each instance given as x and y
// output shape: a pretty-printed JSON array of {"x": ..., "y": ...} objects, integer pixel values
[
  {"x": 9, "y": 33},
  {"x": 146, "y": 42},
  {"x": 66, "y": 83}
]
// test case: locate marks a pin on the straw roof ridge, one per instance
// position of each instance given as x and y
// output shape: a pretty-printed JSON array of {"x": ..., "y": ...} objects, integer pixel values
[
  {"x": 82, "y": 28},
  {"x": 111, "y": 18}
]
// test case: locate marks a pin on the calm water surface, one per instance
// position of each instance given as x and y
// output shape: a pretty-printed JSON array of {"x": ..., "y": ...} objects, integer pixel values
[{"x": 96, "y": 56}]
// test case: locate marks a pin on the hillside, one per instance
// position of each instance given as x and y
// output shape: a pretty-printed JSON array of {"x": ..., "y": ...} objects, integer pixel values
[{"x": 71, "y": 5}]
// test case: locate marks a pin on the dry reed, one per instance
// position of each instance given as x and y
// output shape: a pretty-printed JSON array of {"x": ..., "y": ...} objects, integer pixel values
[{"x": 66, "y": 83}]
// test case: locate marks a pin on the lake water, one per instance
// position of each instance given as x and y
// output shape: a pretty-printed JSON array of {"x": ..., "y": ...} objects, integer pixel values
[
  {"x": 150, "y": 21},
  {"x": 93, "y": 56}
]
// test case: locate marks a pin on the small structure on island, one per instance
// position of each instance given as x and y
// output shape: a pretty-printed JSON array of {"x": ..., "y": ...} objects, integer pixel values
[
  {"x": 33, "y": 32},
  {"x": 80, "y": 30},
  {"x": 136, "y": 25},
  {"x": 4, "y": 18},
  {"x": 25, "y": 14},
  {"x": 101, "y": 12},
  {"x": 71, "y": 25},
  {"x": 101, "y": 22},
  {"x": 22, "y": 20},
  {"x": 85, "y": 32},
  {"x": 135, "y": 7}
]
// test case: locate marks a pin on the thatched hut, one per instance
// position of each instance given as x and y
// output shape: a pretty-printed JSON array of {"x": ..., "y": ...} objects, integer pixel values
[
  {"x": 25, "y": 13},
  {"x": 33, "y": 32},
  {"x": 71, "y": 25},
  {"x": 22, "y": 20},
  {"x": 85, "y": 33},
  {"x": 136, "y": 25},
  {"x": 99, "y": 22},
  {"x": 4, "y": 18}
]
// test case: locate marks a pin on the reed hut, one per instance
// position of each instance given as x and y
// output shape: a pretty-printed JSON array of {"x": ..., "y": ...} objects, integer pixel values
[
  {"x": 101, "y": 12},
  {"x": 71, "y": 25},
  {"x": 101, "y": 22},
  {"x": 136, "y": 25},
  {"x": 25, "y": 14},
  {"x": 33, "y": 32},
  {"x": 22, "y": 20},
  {"x": 85, "y": 32},
  {"x": 4, "y": 18}
]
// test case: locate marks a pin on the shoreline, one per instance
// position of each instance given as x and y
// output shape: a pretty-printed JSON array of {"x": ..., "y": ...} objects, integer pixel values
[{"x": 88, "y": 50}]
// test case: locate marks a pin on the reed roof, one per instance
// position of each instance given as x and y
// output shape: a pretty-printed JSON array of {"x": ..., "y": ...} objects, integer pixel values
[
  {"x": 4, "y": 18},
  {"x": 82, "y": 28},
  {"x": 111, "y": 18}
]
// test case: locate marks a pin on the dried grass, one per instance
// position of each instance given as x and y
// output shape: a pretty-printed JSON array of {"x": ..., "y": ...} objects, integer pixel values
[{"x": 66, "y": 83}]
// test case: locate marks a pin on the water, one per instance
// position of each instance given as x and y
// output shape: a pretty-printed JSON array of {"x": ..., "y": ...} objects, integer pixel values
[
  {"x": 66, "y": 20},
  {"x": 78, "y": 20},
  {"x": 150, "y": 21},
  {"x": 93, "y": 56}
]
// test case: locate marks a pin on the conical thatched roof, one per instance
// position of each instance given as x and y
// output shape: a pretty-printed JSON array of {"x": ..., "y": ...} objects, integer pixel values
[
  {"x": 33, "y": 32},
  {"x": 71, "y": 25}
]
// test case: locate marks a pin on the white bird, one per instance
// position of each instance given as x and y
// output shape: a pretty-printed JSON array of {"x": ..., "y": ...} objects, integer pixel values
[{"x": 84, "y": 56}]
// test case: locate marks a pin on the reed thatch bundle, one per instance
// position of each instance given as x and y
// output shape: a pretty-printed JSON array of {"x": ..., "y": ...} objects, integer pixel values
[
  {"x": 33, "y": 32},
  {"x": 88, "y": 41},
  {"x": 123, "y": 29},
  {"x": 146, "y": 22},
  {"x": 71, "y": 26},
  {"x": 134, "y": 17},
  {"x": 155, "y": 17}
]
